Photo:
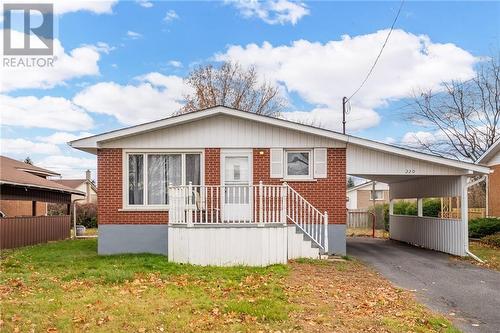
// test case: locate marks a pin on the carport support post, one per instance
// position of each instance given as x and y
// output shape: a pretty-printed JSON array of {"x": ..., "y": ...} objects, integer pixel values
[
  {"x": 420, "y": 207},
  {"x": 464, "y": 213}
]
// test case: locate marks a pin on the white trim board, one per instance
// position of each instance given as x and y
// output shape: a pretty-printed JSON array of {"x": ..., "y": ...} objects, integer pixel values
[{"x": 488, "y": 155}]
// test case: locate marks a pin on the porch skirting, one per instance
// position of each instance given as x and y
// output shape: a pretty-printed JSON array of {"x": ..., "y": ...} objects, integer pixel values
[
  {"x": 228, "y": 245},
  {"x": 132, "y": 238}
]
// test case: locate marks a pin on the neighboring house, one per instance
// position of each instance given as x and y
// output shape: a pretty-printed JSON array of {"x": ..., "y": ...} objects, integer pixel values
[
  {"x": 362, "y": 196},
  {"x": 222, "y": 187},
  {"x": 491, "y": 158},
  {"x": 25, "y": 189},
  {"x": 86, "y": 186}
]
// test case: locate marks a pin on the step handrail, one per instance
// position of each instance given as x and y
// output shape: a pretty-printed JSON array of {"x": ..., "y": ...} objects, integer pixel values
[{"x": 307, "y": 218}]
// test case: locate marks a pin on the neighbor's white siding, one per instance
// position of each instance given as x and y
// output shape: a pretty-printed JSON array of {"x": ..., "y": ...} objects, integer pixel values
[
  {"x": 365, "y": 161},
  {"x": 495, "y": 160},
  {"x": 228, "y": 245},
  {"x": 352, "y": 203},
  {"x": 223, "y": 132},
  {"x": 443, "y": 235}
]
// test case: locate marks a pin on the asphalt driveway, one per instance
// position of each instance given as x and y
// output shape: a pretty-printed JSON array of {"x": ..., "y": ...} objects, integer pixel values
[{"x": 468, "y": 294}]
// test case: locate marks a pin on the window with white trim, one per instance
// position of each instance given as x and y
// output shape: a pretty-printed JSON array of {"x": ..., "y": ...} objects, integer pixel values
[
  {"x": 379, "y": 195},
  {"x": 150, "y": 174},
  {"x": 298, "y": 164}
]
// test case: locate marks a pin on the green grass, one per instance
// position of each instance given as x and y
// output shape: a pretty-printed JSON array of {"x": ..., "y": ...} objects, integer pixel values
[
  {"x": 490, "y": 254},
  {"x": 67, "y": 286}
]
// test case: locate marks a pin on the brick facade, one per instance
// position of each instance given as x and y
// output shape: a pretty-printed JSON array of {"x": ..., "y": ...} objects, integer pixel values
[
  {"x": 110, "y": 180},
  {"x": 327, "y": 194},
  {"x": 494, "y": 192}
]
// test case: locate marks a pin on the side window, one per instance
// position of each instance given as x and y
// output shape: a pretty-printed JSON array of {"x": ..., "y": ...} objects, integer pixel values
[
  {"x": 136, "y": 179},
  {"x": 298, "y": 164}
]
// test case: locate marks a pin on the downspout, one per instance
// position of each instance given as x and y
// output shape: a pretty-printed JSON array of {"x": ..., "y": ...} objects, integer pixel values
[{"x": 467, "y": 186}]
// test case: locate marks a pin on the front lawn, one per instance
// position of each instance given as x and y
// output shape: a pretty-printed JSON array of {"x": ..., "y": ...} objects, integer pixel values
[
  {"x": 488, "y": 253},
  {"x": 65, "y": 286}
]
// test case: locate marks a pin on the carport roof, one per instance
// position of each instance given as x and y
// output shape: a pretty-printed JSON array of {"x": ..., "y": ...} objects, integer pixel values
[{"x": 92, "y": 143}]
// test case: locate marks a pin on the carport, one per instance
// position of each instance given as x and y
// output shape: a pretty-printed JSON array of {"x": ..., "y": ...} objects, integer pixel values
[{"x": 415, "y": 175}]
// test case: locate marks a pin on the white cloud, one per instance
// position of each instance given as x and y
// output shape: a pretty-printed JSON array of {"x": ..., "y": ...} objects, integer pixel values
[
  {"x": 23, "y": 147},
  {"x": 154, "y": 96},
  {"x": 170, "y": 16},
  {"x": 322, "y": 73},
  {"x": 59, "y": 138},
  {"x": 133, "y": 35},
  {"x": 390, "y": 140},
  {"x": 415, "y": 139},
  {"x": 332, "y": 119},
  {"x": 144, "y": 3},
  {"x": 68, "y": 166},
  {"x": 175, "y": 63},
  {"x": 79, "y": 62},
  {"x": 272, "y": 11},
  {"x": 93, "y": 6},
  {"x": 67, "y": 6},
  {"x": 45, "y": 112},
  {"x": 102, "y": 47}
]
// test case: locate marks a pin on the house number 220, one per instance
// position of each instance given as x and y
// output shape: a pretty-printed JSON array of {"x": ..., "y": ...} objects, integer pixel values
[{"x": 410, "y": 171}]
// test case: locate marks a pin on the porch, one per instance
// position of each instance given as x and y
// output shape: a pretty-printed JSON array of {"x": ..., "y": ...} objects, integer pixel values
[{"x": 254, "y": 225}]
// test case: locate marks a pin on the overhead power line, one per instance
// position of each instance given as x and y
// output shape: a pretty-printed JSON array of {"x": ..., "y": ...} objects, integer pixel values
[{"x": 380, "y": 53}]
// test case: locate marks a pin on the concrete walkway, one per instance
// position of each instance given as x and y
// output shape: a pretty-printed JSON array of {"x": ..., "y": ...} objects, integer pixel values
[{"x": 467, "y": 294}]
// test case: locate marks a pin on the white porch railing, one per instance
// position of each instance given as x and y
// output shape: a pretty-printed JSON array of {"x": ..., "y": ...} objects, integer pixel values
[{"x": 247, "y": 204}]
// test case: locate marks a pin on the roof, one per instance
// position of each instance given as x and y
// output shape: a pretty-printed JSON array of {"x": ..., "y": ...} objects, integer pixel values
[
  {"x": 490, "y": 153},
  {"x": 74, "y": 183},
  {"x": 90, "y": 144},
  {"x": 359, "y": 186},
  {"x": 18, "y": 173}
]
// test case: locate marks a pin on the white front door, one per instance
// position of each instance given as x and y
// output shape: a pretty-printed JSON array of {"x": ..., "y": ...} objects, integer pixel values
[{"x": 237, "y": 186}]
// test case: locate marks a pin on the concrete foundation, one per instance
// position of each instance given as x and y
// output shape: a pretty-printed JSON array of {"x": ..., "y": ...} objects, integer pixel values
[
  {"x": 337, "y": 239},
  {"x": 132, "y": 238}
]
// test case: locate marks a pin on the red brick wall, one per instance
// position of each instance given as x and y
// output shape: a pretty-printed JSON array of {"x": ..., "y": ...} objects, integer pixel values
[
  {"x": 212, "y": 166},
  {"x": 109, "y": 179},
  {"x": 327, "y": 194},
  {"x": 494, "y": 192}
]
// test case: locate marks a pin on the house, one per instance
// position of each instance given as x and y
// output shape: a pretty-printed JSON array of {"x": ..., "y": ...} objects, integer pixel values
[
  {"x": 222, "y": 187},
  {"x": 491, "y": 158},
  {"x": 86, "y": 186},
  {"x": 362, "y": 196},
  {"x": 25, "y": 189},
  {"x": 24, "y": 194}
]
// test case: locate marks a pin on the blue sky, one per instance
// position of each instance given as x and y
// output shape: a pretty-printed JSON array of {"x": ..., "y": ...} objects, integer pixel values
[{"x": 120, "y": 63}]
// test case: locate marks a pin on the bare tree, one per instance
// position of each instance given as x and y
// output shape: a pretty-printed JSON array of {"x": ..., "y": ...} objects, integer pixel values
[
  {"x": 233, "y": 86},
  {"x": 465, "y": 117}
]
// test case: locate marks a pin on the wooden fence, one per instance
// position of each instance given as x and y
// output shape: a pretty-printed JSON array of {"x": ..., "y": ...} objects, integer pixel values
[
  {"x": 474, "y": 213},
  {"x": 31, "y": 230}
]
